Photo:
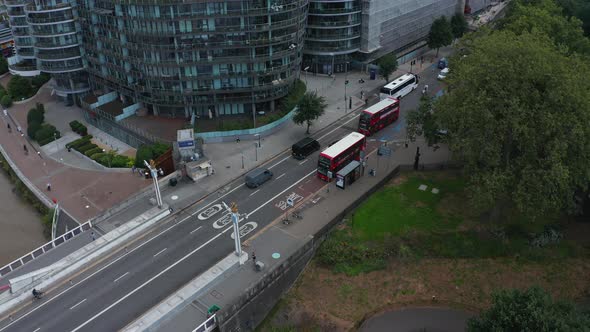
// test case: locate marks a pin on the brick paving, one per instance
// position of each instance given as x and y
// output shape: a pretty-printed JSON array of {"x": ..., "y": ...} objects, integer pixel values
[{"x": 82, "y": 193}]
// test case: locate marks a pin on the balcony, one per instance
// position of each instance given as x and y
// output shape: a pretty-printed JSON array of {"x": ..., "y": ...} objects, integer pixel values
[
  {"x": 53, "y": 68},
  {"x": 52, "y": 33},
  {"x": 32, "y": 8},
  {"x": 23, "y": 70},
  {"x": 77, "y": 88},
  {"x": 18, "y": 22},
  {"x": 15, "y": 3},
  {"x": 56, "y": 45},
  {"x": 50, "y": 20},
  {"x": 333, "y": 25},
  {"x": 59, "y": 56},
  {"x": 333, "y": 11}
]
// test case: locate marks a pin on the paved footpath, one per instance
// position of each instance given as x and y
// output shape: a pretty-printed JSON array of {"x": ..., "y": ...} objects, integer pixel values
[{"x": 82, "y": 193}]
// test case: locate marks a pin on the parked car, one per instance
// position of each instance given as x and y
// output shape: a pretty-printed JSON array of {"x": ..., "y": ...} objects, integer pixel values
[
  {"x": 257, "y": 177},
  {"x": 443, "y": 63},
  {"x": 443, "y": 74}
]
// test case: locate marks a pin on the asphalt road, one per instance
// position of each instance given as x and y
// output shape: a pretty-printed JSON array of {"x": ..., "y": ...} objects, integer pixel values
[{"x": 115, "y": 292}]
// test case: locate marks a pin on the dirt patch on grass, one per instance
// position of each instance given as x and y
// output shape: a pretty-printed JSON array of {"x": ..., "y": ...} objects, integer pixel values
[
  {"x": 396, "y": 181},
  {"x": 337, "y": 302}
]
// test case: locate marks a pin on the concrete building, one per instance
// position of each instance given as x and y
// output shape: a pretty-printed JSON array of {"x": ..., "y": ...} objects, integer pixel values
[
  {"x": 174, "y": 59},
  {"x": 341, "y": 33}
]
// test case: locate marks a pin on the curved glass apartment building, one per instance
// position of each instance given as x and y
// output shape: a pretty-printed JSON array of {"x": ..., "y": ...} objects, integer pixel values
[
  {"x": 333, "y": 34},
  {"x": 26, "y": 64},
  {"x": 183, "y": 57},
  {"x": 53, "y": 25}
]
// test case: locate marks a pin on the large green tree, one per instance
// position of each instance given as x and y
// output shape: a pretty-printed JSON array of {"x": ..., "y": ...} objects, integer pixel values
[
  {"x": 311, "y": 107},
  {"x": 530, "y": 310},
  {"x": 440, "y": 34},
  {"x": 3, "y": 65},
  {"x": 547, "y": 17},
  {"x": 579, "y": 9},
  {"x": 20, "y": 87},
  {"x": 387, "y": 65},
  {"x": 422, "y": 122},
  {"x": 517, "y": 113},
  {"x": 458, "y": 25}
]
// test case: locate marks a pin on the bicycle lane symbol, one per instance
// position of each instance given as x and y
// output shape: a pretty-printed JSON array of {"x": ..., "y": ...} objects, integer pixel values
[
  {"x": 211, "y": 211},
  {"x": 246, "y": 229},
  {"x": 223, "y": 221},
  {"x": 289, "y": 201}
]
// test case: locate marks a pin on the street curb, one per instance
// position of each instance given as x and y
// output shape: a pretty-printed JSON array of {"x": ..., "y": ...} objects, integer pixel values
[{"x": 85, "y": 256}]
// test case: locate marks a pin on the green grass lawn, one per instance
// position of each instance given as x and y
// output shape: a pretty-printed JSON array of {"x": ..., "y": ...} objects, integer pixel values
[{"x": 396, "y": 210}]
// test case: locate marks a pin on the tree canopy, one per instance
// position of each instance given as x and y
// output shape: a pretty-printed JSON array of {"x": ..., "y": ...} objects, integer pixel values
[
  {"x": 440, "y": 34},
  {"x": 458, "y": 25},
  {"x": 20, "y": 87},
  {"x": 530, "y": 310},
  {"x": 422, "y": 122},
  {"x": 545, "y": 16},
  {"x": 387, "y": 65},
  {"x": 311, "y": 107},
  {"x": 517, "y": 113}
]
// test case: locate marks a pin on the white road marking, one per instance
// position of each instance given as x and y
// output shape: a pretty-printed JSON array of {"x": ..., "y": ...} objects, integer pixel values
[
  {"x": 126, "y": 273},
  {"x": 196, "y": 229},
  {"x": 75, "y": 305},
  {"x": 150, "y": 280},
  {"x": 333, "y": 130},
  {"x": 255, "y": 192},
  {"x": 37, "y": 329},
  {"x": 280, "y": 176},
  {"x": 287, "y": 157},
  {"x": 159, "y": 252},
  {"x": 282, "y": 192},
  {"x": 303, "y": 162}
]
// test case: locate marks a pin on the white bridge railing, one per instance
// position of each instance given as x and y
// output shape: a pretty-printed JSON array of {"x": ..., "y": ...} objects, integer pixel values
[
  {"x": 44, "y": 248},
  {"x": 209, "y": 325}
]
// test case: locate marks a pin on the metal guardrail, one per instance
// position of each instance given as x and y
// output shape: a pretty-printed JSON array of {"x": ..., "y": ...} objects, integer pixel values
[
  {"x": 208, "y": 325},
  {"x": 44, "y": 248}
]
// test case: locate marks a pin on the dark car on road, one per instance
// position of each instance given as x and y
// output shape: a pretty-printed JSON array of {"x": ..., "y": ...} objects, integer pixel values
[
  {"x": 257, "y": 177},
  {"x": 304, "y": 148}
]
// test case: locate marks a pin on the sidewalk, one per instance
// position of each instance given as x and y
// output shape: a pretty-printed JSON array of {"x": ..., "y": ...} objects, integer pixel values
[
  {"x": 246, "y": 296},
  {"x": 82, "y": 193}
]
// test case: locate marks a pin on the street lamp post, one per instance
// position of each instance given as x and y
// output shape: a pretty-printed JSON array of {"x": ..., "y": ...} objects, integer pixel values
[
  {"x": 305, "y": 70},
  {"x": 154, "y": 173},
  {"x": 258, "y": 135},
  {"x": 256, "y": 150},
  {"x": 55, "y": 140},
  {"x": 235, "y": 217},
  {"x": 345, "y": 84}
]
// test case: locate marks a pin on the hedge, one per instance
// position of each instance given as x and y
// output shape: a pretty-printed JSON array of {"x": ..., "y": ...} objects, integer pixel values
[
  {"x": 79, "y": 142},
  {"x": 79, "y": 128},
  {"x": 96, "y": 157},
  {"x": 90, "y": 152},
  {"x": 86, "y": 147},
  {"x": 33, "y": 128},
  {"x": 35, "y": 115},
  {"x": 47, "y": 131}
]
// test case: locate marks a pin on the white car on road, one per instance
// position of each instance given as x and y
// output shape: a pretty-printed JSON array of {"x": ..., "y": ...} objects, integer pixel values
[{"x": 443, "y": 73}]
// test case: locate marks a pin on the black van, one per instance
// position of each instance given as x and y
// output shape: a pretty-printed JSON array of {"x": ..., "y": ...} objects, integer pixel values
[
  {"x": 257, "y": 177},
  {"x": 304, "y": 148}
]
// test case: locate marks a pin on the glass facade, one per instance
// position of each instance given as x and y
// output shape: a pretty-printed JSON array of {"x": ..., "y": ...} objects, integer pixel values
[
  {"x": 184, "y": 57},
  {"x": 333, "y": 33}
]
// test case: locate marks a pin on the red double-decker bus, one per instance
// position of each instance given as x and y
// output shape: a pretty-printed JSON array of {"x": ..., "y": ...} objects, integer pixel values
[
  {"x": 340, "y": 154},
  {"x": 378, "y": 116}
]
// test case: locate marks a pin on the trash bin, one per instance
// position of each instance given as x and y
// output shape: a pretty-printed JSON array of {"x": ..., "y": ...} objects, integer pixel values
[
  {"x": 212, "y": 309},
  {"x": 373, "y": 73},
  {"x": 173, "y": 182}
]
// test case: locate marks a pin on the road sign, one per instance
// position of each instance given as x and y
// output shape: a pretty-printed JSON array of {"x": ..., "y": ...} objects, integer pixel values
[{"x": 290, "y": 202}]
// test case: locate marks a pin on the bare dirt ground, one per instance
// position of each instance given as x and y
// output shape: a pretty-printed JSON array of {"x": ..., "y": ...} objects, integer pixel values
[{"x": 336, "y": 302}]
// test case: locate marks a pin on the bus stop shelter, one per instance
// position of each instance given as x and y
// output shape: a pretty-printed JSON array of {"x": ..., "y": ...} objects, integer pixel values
[{"x": 348, "y": 174}]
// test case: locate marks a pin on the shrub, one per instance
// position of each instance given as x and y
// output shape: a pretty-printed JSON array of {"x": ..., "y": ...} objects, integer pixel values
[
  {"x": 86, "y": 147},
  {"x": 97, "y": 156},
  {"x": 35, "y": 115},
  {"x": 79, "y": 128},
  {"x": 143, "y": 153},
  {"x": 6, "y": 101},
  {"x": 47, "y": 131},
  {"x": 20, "y": 88},
  {"x": 79, "y": 142},
  {"x": 119, "y": 161},
  {"x": 33, "y": 128},
  {"x": 39, "y": 80},
  {"x": 3, "y": 65},
  {"x": 92, "y": 151}
]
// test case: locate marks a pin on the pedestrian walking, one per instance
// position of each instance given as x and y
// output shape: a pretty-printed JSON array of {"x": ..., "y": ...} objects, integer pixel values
[
  {"x": 48, "y": 186},
  {"x": 5, "y": 112},
  {"x": 254, "y": 257},
  {"x": 133, "y": 169},
  {"x": 25, "y": 148},
  {"x": 9, "y": 129},
  {"x": 426, "y": 88},
  {"x": 92, "y": 235},
  {"x": 19, "y": 129}
]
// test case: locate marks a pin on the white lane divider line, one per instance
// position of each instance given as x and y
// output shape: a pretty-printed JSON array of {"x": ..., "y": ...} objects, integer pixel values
[
  {"x": 159, "y": 252},
  {"x": 255, "y": 192},
  {"x": 282, "y": 192},
  {"x": 37, "y": 329},
  {"x": 150, "y": 280},
  {"x": 196, "y": 229},
  {"x": 126, "y": 273},
  {"x": 287, "y": 157},
  {"x": 75, "y": 305},
  {"x": 333, "y": 130},
  {"x": 280, "y": 176},
  {"x": 303, "y": 162}
]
